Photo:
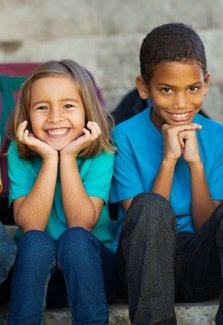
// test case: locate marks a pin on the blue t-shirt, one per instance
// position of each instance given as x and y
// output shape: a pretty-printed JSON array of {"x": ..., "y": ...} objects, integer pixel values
[
  {"x": 139, "y": 154},
  {"x": 96, "y": 174}
]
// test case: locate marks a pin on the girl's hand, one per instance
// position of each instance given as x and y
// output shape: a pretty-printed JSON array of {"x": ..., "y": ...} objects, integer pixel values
[
  {"x": 180, "y": 141},
  {"x": 28, "y": 138},
  {"x": 90, "y": 134}
]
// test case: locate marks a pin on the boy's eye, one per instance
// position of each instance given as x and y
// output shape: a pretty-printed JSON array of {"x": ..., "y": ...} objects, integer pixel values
[
  {"x": 166, "y": 90},
  {"x": 193, "y": 88}
]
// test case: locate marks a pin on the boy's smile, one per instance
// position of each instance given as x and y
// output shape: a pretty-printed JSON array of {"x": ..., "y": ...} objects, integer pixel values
[
  {"x": 177, "y": 91},
  {"x": 56, "y": 111}
]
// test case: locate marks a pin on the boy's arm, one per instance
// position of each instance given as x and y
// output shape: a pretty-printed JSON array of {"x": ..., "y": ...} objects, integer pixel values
[
  {"x": 202, "y": 205},
  {"x": 33, "y": 211},
  {"x": 163, "y": 181}
]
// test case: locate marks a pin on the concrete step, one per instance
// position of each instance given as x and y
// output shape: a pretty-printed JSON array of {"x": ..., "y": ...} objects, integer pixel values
[{"x": 187, "y": 314}]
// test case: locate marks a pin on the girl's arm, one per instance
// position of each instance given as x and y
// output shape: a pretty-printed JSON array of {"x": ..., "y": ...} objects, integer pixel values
[
  {"x": 32, "y": 211},
  {"x": 80, "y": 209}
]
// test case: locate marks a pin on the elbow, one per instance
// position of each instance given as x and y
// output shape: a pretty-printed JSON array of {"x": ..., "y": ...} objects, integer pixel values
[{"x": 87, "y": 221}]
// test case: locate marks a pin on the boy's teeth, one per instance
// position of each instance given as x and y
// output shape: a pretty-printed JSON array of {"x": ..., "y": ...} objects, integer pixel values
[{"x": 180, "y": 115}]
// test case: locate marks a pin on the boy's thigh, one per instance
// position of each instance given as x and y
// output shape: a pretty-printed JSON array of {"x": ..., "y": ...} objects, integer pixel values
[{"x": 197, "y": 267}]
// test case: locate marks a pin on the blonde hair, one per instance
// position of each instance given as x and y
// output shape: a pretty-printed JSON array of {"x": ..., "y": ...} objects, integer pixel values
[{"x": 93, "y": 110}]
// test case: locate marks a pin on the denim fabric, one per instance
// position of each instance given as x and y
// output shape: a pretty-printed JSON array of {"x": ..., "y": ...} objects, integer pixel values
[
  {"x": 7, "y": 253},
  {"x": 87, "y": 266},
  {"x": 158, "y": 266}
]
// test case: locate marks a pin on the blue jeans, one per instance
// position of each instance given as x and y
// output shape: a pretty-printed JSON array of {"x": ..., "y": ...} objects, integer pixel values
[
  {"x": 7, "y": 253},
  {"x": 157, "y": 266},
  {"x": 87, "y": 267}
]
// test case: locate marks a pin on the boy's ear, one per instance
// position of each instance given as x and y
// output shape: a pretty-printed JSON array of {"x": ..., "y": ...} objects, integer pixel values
[
  {"x": 206, "y": 83},
  {"x": 142, "y": 89}
]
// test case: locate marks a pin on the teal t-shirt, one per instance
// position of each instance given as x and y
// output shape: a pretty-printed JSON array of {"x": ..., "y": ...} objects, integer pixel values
[{"x": 96, "y": 174}]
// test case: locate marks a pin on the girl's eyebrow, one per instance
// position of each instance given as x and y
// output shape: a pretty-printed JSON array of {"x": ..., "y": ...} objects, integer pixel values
[{"x": 42, "y": 101}]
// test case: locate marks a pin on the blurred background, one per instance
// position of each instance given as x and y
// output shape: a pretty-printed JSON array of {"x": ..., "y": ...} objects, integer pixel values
[{"x": 105, "y": 37}]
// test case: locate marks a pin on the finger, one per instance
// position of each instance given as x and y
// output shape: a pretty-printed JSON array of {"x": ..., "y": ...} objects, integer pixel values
[
  {"x": 21, "y": 128},
  {"x": 86, "y": 132},
  {"x": 181, "y": 141},
  {"x": 94, "y": 128},
  {"x": 187, "y": 127}
]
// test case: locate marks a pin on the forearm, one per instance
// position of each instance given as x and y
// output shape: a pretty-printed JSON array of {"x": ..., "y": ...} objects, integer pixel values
[
  {"x": 202, "y": 204},
  {"x": 33, "y": 210},
  {"x": 79, "y": 208},
  {"x": 163, "y": 181}
]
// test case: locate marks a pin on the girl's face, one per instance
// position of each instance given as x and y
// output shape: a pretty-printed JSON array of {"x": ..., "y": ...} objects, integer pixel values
[
  {"x": 56, "y": 111},
  {"x": 177, "y": 92}
]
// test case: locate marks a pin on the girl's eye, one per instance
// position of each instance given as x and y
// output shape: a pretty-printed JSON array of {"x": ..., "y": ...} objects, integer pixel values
[
  {"x": 68, "y": 106},
  {"x": 167, "y": 90},
  {"x": 41, "y": 108}
]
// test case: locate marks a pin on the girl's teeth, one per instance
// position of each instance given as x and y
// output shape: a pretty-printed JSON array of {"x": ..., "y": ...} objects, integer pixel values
[{"x": 57, "y": 132}]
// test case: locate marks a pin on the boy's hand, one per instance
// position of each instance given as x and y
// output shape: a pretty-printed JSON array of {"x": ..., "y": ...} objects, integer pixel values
[
  {"x": 28, "y": 138},
  {"x": 180, "y": 141},
  {"x": 89, "y": 135},
  {"x": 189, "y": 145}
]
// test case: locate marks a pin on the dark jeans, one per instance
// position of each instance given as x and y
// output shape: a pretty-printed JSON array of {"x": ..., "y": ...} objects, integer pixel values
[
  {"x": 88, "y": 271},
  {"x": 157, "y": 266}
]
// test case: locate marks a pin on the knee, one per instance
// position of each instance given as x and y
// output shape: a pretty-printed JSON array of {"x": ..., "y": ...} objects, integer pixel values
[
  {"x": 36, "y": 247},
  {"x": 75, "y": 243},
  {"x": 151, "y": 210}
]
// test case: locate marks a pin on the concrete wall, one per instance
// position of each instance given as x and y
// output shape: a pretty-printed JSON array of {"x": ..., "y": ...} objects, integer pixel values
[{"x": 105, "y": 37}]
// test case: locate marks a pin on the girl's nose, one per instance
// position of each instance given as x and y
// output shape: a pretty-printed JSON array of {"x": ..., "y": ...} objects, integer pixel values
[{"x": 55, "y": 116}]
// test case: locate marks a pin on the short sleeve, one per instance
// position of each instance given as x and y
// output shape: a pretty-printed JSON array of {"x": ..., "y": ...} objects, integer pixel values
[
  {"x": 216, "y": 173},
  {"x": 97, "y": 178},
  {"x": 22, "y": 173},
  {"x": 126, "y": 182}
]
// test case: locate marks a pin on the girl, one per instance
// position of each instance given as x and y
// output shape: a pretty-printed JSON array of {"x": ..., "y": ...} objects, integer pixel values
[{"x": 60, "y": 168}]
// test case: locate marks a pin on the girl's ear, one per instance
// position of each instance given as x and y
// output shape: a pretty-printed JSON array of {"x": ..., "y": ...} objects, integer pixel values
[
  {"x": 142, "y": 89},
  {"x": 206, "y": 83}
]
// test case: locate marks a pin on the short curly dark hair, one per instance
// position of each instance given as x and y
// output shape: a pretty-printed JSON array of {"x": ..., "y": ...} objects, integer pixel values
[{"x": 171, "y": 42}]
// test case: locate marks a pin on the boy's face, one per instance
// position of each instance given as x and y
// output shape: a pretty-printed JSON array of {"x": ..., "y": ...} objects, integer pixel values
[{"x": 177, "y": 92}]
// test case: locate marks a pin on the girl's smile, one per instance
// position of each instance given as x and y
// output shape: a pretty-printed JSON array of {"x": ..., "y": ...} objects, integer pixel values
[{"x": 56, "y": 111}]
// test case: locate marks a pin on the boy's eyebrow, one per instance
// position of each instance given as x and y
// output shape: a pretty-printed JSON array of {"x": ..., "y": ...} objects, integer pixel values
[{"x": 169, "y": 85}]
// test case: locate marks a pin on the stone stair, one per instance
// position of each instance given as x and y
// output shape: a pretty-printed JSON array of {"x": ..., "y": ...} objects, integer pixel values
[{"x": 187, "y": 314}]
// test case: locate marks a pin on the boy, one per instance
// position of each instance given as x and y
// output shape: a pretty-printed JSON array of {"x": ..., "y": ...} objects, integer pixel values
[{"x": 168, "y": 181}]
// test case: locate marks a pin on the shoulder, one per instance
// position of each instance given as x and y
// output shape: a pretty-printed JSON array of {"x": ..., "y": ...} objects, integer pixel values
[
  {"x": 131, "y": 125},
  {"x": 210, "y": 128},
  {"x": 104, "y": 160}
]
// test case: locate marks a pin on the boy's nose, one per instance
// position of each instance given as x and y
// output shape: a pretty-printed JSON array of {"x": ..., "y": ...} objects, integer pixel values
[{"x": 180, "y": 101}]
